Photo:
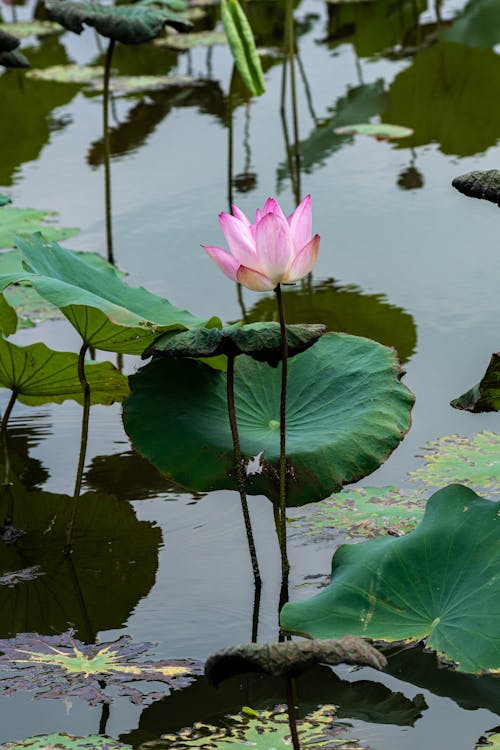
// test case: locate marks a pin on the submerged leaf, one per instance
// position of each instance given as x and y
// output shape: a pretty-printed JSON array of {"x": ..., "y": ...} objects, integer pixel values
[
  {"x": 58, "y": 741},
  {"x": 15, "y": 220},
  {"x": 261, "y": 341},
  {"x": 129, "y": 24},
  {"x": 341, "y": 425},
  {"x": 480, "y": 184},
  {"x": 58, "y": 666},
  {"x": 107, "y": 313},
  {"x": 485, "y": 396},
  {"x": 290, "y": 658},
  {"x": 242, "y": 44},
  {"x": 439, "y": 584},
  {"x": 382, "y": 131},
  {"x": 39, "y": 375}
]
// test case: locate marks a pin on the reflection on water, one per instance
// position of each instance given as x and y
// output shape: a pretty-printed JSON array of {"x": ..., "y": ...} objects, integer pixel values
[{"x": 345, "y": 309}]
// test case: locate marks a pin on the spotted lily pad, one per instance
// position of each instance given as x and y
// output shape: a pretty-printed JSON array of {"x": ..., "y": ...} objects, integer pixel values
[
  {"x": 480, "y": 184},
  {"x": 25, "y": 29},
  {"x": 290, "y": 658},
  {"x": 59, "y": 666},
  {"x": 490, "y": 742},
  {"x": 340, "y": 426},
  {"x": 485, "y": 396},
  {"x": 382, "y": 131},
  {"x": 262, "y": 730},
  {"x": 58, "y": 741},
  {"x": 261, "y": 341},
  {"x": 472, "y": 461},
  {"x": 39, "y": 375},
  {"x": 90, "y": 75},
  {"x": 129, "y": 24},
  {"x": 439, "y": 584},
  {"x": 15, "y": 220},
  {"x": 192, "y": 39}
]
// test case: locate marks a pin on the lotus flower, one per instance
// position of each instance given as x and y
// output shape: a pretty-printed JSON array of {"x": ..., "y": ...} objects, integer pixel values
[{"x": 273, "y": 250}]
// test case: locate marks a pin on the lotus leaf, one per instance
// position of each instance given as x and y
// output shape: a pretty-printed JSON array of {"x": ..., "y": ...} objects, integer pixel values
[
  {"x": 192, "y": 39},
  {"x": 39, "y": 375},
  {"x": 71, "y": 73},
  {"x": 341, "y": 425},
  {"x": 261, "y": 341},
  {"x": 4, "y": 199},
  {"x": 439, "y": 584},
  {"x": 289, "y": 658},
  {"x": 129, "y": 24},
  {"x": 58, "y": 741},
  {"x": 107, "y": 313},
  {"x": 491, "y": 741},
  {"x": 480, "y": 184},
  {"x": 14, "y": 220},
  {"x": 485, "y": 396},
  {"x": 58, "y": 666},
  {"x": 242, "y": 44},
  {"x": 263, "y": 730},
  {"x": 90, "y": 75},
  {"x": 25, "y": 29},
  {"x": 382, "y": 131}
]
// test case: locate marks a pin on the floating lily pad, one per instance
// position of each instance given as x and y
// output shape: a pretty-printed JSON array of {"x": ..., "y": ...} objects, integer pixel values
[
  {"x": 490, "y": 742},
  {"x": 129, "y": 24},
  {"x": 71, "y": 73},
  {"x": 340, "y": 426},
  {"x": 58, "y": 741},
  {"x": 263, "y": 730},
  {"x": 365, "y": 512},
  {"x": 192, "y": 39},
  {"x": 438, "y": 584},
  {"x": 290, "y": 658},
  {"x": 480, "y": 184},
  {"x": 39, "y": 375},
  {"x": 59, "y": 666},
  {"x": 472, "y": 461},
  {"x": 4, "y": 199},
  {"x": 14, "y": 220},
  {"x": 382, "y": 131},
  {"x": 107, "y": 313},
  {"x": 89, "y": 75},
  {"x": 485, "y": 396},
  {"x": 25, "y": 29},
  {"x": 261, "y": 341}
]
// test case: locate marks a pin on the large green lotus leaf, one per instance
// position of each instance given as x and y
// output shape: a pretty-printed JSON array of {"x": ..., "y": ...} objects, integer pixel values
[
  {"x": 242, "y": 44},
  {"x": 39, "y": 375},
  {"x": 15, "y": 220},
  {"x": 423, "y": 98},
  {"x": 485, "y": 396},
  {"x": 472, "y": 461},
  {"x": 478, "y": 25},
  {"x": 129, "y": 24},
  {"x": 347, "y": 309},
  {"x": 113, "y": 563},
  {"x": 438, "y": 584},
  {"x": 346, "y": 412},
  {"x": 107, "y": 313},
  {"x": 58, "y": 741},
  {"x": 35, "y": 27},
  {"x": 483, "y": 184}
]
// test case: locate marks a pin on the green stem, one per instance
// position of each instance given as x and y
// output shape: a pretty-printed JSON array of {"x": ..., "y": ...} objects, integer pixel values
[
  {"x": 7, "y": 412},
  {"x": 107, "y": 166},
  {"x": 240, "y": 472},
  {"x": 292, "y": 717},
  {"x": 83, "y": 446},
  {"x": 285, "y": 566}
]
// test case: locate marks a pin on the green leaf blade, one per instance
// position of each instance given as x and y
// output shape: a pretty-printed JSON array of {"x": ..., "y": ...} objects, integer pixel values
[{"x": 242, "y": 44}]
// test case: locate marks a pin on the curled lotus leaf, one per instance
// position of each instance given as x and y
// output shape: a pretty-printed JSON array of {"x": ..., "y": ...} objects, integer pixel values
[
  {"x": 14, "y": 59},
  {"x": 60, "y": 665},
  {"x": 8, "y": 42},
  {"x": 129, "y": 24},
  {"x": 480, "y": 184},
  {"x": 340, "y": 426},
  {"x": 261, "y": 341},
  {"x": 262, "y": 730},
  {"x": 290, "y": 658},
  {"x": 382, "y": 131},
  {"x": 485, "y": 396},
  {"x": 438, "y": 585},
  {"x": 62, "y": 741}
]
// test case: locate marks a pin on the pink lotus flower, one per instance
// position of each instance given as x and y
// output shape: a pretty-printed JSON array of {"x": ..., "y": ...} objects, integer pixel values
[{"x": 273, "y": 250}]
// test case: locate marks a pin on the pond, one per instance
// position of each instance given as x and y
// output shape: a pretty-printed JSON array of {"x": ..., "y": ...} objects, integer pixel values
[{"x": 404, "y": 260}]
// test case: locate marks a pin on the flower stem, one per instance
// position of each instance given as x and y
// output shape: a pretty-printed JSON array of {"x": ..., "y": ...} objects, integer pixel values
[
  {"x": 107, "y": 166},
  {"x": 83, "y": 445},
  {"x": 240, "y": 472},
  {"x": 285, "y": 567}
]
